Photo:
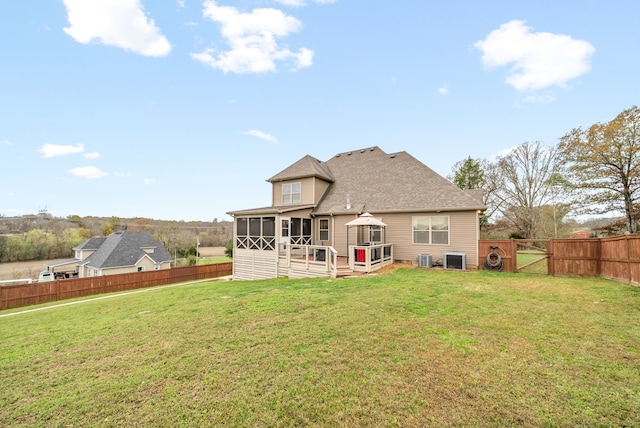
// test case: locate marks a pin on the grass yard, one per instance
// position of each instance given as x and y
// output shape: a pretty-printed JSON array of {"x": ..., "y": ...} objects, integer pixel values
[
  {"x": 540, "y": 267},
  {"x": 214, "y": 260},
  {"x": 413, "y": 347}
]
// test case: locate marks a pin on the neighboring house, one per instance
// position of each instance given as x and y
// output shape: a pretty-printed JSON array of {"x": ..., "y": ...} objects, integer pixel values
[
  {"x": 366, "y": 207},
  {"x": 121, "y": 252}
]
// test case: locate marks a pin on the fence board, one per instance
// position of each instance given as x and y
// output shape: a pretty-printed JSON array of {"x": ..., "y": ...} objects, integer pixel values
[
  {"x": 615, "y": 258},
  {"x": 15, "y": 296}
]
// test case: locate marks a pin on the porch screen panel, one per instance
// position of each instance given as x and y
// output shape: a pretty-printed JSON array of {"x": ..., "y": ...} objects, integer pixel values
[
  {"x": 306, "y": 231},
  {"x": 296, "y": 230},
  {"x": 241, "y": 233},
  {"x": 268, "y": 233},
  {"x": 254, "y": 233}
]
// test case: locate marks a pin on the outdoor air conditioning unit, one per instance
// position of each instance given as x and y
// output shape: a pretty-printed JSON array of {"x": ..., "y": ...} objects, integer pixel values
[
  {"x": 424, "y": 260},
  {"x": 455, "y": 260}
]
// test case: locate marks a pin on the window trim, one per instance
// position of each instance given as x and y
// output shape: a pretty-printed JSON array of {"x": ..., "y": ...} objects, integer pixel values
[
  {"x": 322, "y": 230},
  {"x": 289, "y": 193},
  {"x": 430, "y": 230}
]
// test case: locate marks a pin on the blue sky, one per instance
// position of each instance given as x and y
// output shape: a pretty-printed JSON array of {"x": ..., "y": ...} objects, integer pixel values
[{"x": 180, "y": 110}]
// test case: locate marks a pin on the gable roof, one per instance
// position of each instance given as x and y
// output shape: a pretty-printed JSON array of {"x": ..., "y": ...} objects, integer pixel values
[
  {"x": 308, "y": 166},
  {"x": 126, "y": 249},
  {"x": 90, "y": 244},
  {"x": 372, "y": 180}
]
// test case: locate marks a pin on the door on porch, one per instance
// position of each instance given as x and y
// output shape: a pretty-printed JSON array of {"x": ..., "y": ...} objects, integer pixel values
[{"x": 285, "y": 233}]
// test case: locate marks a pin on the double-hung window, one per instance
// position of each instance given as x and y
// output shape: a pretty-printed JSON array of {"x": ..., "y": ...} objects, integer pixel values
[
  {"x": 323, "y": 229},
  {"x": 432, "y": 230},
  {"x": 291, "y": 193}
]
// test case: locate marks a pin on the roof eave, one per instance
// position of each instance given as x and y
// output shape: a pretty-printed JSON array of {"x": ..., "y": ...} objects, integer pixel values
[
  {"x": 403, "y": 211},
  {"x": 271, "y": 210}
]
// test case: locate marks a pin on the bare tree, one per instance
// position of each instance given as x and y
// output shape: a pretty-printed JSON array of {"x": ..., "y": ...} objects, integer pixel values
[{"x": 524, "y": 180}]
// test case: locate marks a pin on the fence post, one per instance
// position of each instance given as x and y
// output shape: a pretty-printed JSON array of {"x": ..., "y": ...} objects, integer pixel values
[
  {"x": 551, "y": 268},
  {"x": 513, "y": 249},
  {"x": 627, "y": 241}
]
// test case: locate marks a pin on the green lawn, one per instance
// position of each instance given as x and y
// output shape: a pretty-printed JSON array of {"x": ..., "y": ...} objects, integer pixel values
[
  {"x": 533, "y": 256},
  {"x": 415, "y": 347},
  {"x": 214, "y": 260}
]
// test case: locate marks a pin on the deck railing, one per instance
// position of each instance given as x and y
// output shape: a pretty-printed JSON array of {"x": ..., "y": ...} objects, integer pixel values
[
  {"x": 368, "y": 258},
  {"x": 313, "y": 260}
]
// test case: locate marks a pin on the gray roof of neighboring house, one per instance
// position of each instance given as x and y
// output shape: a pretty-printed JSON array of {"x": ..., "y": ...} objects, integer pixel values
[
  {"x": 372, "y": 180},
  {"x": 90, "y": 244},
  {"x": 126, "y": 249}
]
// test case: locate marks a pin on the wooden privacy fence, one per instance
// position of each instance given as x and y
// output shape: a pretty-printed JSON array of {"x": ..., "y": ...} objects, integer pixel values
[
  {"x": 16, "y": 296},
  {"x": 614, "y": 258}
]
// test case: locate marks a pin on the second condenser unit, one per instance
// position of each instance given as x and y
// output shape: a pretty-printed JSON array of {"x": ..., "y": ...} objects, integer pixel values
[{"x": 455, "y": 260}]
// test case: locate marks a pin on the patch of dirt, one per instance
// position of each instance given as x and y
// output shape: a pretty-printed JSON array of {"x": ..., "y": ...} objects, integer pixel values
[
  {"x": 394, "y": 266},
  {"x": 211, "y": 251},
  {"x": 23, "y": 270}
]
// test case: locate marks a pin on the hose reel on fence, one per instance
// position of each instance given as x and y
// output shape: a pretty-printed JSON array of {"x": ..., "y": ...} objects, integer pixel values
[{"x": 493, "y": 261}]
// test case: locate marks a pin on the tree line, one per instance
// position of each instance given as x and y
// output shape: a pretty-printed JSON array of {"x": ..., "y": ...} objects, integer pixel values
[
  {"x": 531, "y": 189},
  {"x": 45, "y": 237}
]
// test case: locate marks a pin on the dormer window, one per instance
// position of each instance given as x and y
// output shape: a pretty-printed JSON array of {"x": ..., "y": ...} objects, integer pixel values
[{"x": 291, "y": 193}]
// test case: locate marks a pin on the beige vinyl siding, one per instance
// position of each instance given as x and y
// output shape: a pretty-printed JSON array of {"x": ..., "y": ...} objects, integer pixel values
[
  {"x": 463, "y": 236},
  {"x": 339, "y": 233},
  {"x": 307, "y": 191},
  {"x": 321, "y": 187}
]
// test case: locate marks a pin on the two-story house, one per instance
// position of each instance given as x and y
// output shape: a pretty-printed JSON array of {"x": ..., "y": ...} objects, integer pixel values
[{"x": 365, "y": 207}]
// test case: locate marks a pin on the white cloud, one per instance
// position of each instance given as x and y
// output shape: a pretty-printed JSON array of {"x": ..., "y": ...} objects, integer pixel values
[
  {"x": 300, "y": 3},
  {"x": 120, "y": 23},
  {"x": 540, "y": 60},
  {"x": 252, "y": 40},
  {"x": 262, "y": 135},
  {"x": 149, "y": 181},
  {"x": 6, "y": 143},
  {"x": 443, "y": 90},
  {"x": 53, "y": 150},
  {"x": 88, "y": 172},
  {"x": 92, "y": 155},
  {"x": 545, "y": 98},
  {"x": 292, "y": 3}
]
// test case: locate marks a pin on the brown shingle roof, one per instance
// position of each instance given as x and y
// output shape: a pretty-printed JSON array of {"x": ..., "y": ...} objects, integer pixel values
[
  {"x": 308, "y": 166},
  {"x": 372, "y": 180}
]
